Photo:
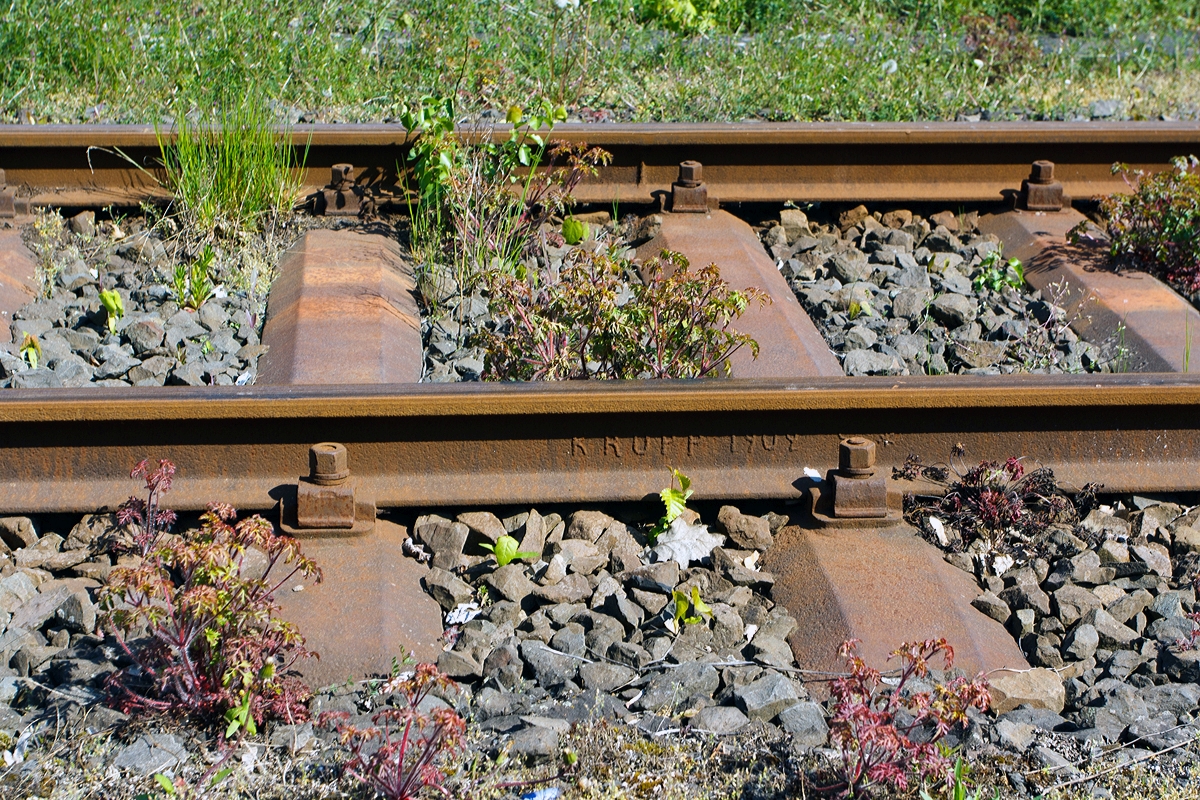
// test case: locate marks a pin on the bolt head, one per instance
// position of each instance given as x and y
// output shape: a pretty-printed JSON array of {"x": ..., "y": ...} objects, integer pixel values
[
  {"x": 856, "y": 455},
  {"x": 691, "y": 173},
  {"x": 1042, "y": 172},
  {"x": 328, "y": 460},
  {"x": 341, "y": 173}
]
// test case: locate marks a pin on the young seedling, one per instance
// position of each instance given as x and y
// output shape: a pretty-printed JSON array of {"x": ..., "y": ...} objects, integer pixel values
[
  {"x": 674, "y": 501},
  {"x": 115, "y": 307},
  {"x": 31, "y": 350},
  {"x": 192, "y": 284},
  {"x": 574, "y": 231},
  {"x": 683, "y": 603},
  {"x": 506, "y": 551},
  {"x": 995, "y": 273}
]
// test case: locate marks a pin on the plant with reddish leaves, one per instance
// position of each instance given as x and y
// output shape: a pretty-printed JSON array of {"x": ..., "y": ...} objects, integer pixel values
[
  {"x": 1155, "y": 227},
  {"x": 205, "y": 637},
  {"x": 148, "y": 520},
  {"x": 874, "y": 724},
  {"x": 999, "y": 503},
  {"x": 397, "y": 756}
]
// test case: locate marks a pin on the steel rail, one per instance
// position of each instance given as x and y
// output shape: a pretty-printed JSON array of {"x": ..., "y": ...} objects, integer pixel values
[
  {"x": 80, "y": 165},
  {"x": 489, "y": 444}
]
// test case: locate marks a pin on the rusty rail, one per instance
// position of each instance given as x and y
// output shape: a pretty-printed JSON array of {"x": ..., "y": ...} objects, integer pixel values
[
  {"x": 853, "y": 162},
  {"x": 70, "y": 450}
]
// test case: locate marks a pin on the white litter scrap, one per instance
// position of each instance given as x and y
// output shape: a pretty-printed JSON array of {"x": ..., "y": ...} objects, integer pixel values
[
  {"x": 939, "y": 530},
  {"x": 1002, "y": 564},
  {"x": 684, "y": 543},
  {"x": 751, "y": 561},
  {"x": 464, "y": 612}
]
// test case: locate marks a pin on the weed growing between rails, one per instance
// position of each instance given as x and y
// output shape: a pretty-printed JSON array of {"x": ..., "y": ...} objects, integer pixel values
[
  {"x": 481, "y": 207},
  {"x": 205, "y": 639},
  {"x": 233, "y": 175},
  {"x": 1156, "y": 227},
  {"x": 597, "y": 319}
]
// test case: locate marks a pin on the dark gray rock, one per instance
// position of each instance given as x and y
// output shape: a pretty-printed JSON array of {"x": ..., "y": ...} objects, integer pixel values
[
  {"x": 953, "y": 310},
  {"x": 993, "y": 606},
  {"x": 511, "y": 582},
  {"x": 673, "y": 686},
  {"x": 1081, "y": 643},
  {"x": 605, "y": 677},
  {"x": 448, "y": 590},
  {"x": 748, "y": 532},
  {"x": 535, "y": 744},
  {"x": 805, "y": 721},
  {"x": 766, "y": 697},
  {"x": 587, "y": 525},
  {"x": 550, "y": 667},
  {"x": 1072, "y": 602},
  {"x": 1112, "y": 634},
  {"x": 718, "y": 720},
  {"x": 151, "y": 753}
]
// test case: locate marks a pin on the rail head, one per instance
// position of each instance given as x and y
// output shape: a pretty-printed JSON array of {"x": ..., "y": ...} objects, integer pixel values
[{"x": 1014, "y": 394}]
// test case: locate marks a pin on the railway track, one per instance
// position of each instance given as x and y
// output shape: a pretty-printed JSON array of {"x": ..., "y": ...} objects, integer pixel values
[{"x": 425, "y": 446}]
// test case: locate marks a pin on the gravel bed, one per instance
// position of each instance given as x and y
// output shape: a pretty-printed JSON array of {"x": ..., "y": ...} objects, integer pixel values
[
  {"x": 156, "y": 342},
  {"x": 895, "y": 294},
  {"x": 576, "y": 651}
]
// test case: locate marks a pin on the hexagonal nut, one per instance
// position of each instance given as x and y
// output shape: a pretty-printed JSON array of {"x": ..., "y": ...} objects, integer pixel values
[
  {"x": 691, "y": 172},
  {"x": 1042, "y": 172},
  {"x": 328, "y": 460},
  {"x": 341, "y": 173},
  {"x": 856, "y": 455}
]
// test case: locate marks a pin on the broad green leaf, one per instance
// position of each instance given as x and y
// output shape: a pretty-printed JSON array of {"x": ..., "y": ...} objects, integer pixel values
[
  {"x": 699, "y": 605},
  {"x": 506, "y": 551},
  {"x": 574, "y": 231},
  {"x": 166, "y": 783}
]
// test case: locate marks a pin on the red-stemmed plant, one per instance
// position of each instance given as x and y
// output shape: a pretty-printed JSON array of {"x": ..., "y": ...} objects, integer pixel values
[
  {"x": 205, "y": 637},
  {"x": 397, "y": 756},
  {"x": 875, "y": 725}
]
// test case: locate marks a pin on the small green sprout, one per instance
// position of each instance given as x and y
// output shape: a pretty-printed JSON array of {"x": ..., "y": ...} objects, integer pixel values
[
  {"x": 506, "y": 551},
  {"x": 683, "y": 604},
  {"x": 115, "y": 307},
  {"x": 674, "y": 501},
  {"x": 862, "y": 309},
  {"x": 574, "y": 231},
  {"x": 995, "y": 273},
  {"x": 31, "y": 350},
  {"x": 192, "y": 284}
]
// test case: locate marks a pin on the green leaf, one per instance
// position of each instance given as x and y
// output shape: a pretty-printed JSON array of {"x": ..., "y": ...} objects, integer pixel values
[
  {"x": 574, "y": 231},
  {"x": 115, "y": 307},
  {"x": 220, "y": 776},
  {"x": 681, "y": 603},
  {"x": 506, "y": 551},
  {"x": 675, "y": 500},
  {"x": 166, "y": 783},
  {"x": 698, "y": 604}
]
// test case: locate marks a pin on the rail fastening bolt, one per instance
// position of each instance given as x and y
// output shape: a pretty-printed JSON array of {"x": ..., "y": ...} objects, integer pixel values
[
  {"x": 691, "y": 174},
  {"x": 856, "y": 456},
  {"x": 341, "y": 174},
  {"x": 1042, "y": 172},
  {"x": 327, "y": 464}
]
